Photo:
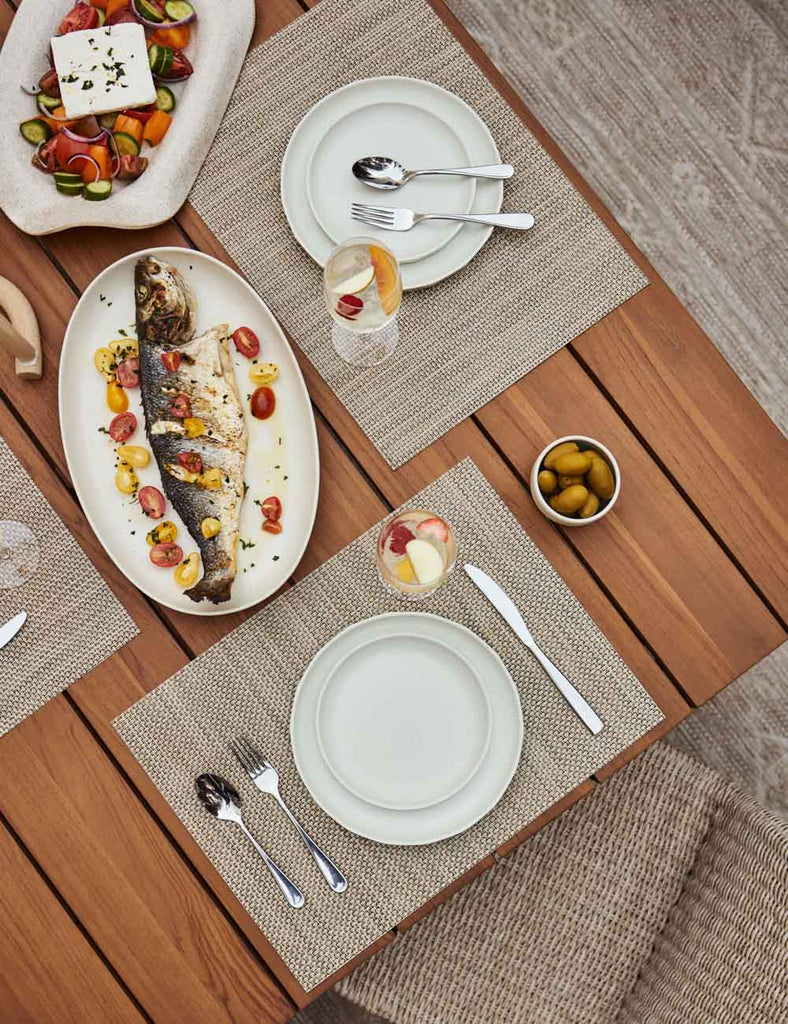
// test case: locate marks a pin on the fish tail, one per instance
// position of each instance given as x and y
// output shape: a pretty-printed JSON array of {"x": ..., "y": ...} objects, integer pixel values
[{"x": 211, "y": 589}]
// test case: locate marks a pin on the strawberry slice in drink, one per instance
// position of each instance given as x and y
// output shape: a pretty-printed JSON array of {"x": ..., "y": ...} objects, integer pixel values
[
  {"x": 349, "y": 306},
  {"x": 435, "y": 528}
]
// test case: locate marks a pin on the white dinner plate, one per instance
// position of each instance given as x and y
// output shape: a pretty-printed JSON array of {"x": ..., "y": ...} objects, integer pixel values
[
  {"x": 403, "y": 721},
  {"x": 454, "y": 112},
  {"x": 282, "y": 456},
  {"x": 440, "y": 820},
  {"x": 420, "y": 139}
]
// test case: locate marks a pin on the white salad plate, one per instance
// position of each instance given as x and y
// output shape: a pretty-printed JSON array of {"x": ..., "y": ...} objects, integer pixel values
[
  {"x": 421, "y": 139},
  {"x": 282, "y": 456},
  {"x": 329, "y": 119},
  {"x": 220, "y": 37},
  {"x": 316, "y": 723},
  {"x": 403, "y": 721}
]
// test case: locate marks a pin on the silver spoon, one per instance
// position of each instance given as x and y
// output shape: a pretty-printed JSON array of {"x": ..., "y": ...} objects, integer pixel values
[
  {"x": 383, "y": 172},
  {"x": 223, "y": 801}
]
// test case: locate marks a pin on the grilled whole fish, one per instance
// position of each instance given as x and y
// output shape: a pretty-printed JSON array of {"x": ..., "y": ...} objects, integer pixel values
[{"x": 205, "y": 376}]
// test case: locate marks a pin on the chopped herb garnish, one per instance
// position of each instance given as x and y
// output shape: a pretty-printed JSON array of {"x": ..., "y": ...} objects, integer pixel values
[{"x": 245, "y": 544}]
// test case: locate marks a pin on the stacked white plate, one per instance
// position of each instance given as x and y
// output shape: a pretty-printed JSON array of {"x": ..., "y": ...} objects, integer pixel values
[
  {"x": 420, "y": 125},
  {"x": 406, "y": 728}
]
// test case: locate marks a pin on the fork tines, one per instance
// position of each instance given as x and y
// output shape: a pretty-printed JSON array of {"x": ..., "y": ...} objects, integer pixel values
[
  {"x": 251, "y": 760},
  {"x": 381, "y": 215}
]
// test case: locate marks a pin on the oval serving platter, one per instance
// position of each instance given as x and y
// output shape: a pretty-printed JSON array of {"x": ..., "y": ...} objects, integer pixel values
[
  {"x": 28, "y": 197},
  {"x": 282, "y": 457}
]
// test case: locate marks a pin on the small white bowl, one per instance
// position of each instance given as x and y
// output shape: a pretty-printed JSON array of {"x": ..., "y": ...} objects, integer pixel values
[{"x": 539, "y": 498}]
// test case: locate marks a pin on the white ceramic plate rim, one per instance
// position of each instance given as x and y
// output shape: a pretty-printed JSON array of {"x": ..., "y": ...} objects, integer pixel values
[
  {"x": 485, "y": 745},
  {"x": 69, "y": 342},
  {"x": 410, "y": 271},
  {"x": 427, "y": 836}
]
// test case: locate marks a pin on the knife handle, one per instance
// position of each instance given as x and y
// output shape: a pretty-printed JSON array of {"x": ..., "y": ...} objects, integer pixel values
[{"x": 575, "y": 700}]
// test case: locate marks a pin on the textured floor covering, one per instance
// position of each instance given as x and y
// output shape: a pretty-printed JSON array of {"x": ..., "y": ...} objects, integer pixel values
[{"x": 677, "y": 114}]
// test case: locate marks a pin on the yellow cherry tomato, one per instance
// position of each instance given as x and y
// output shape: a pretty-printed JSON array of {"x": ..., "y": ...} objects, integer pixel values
[
  {"x": 211, "y": 479},
  {"x": 181, "y": 473},
  {"x": 124, "y": 348},
  {"x": 105, "y": 362},
  {"x": 187, "y": 572},
  {"x": 194, "y": 427},
  {"x": 126, "y": 479},
  {"x": 263, "y": 373},
  {"x": 117, "y": 399},
  {"x": 164, "y": 533},
  {"x": 134, "y": 454},
  {"x": 210, "y": 526}
]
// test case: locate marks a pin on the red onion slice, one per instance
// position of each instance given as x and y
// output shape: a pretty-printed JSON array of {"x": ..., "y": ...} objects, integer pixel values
[
  {"x": 84, "y": 138},
  {"x": 169, "y": 81},
  {"x": 36, "y": 89},
  {"x": 162, "y": 24},
  {"x": 37, "y": 154},
  {"x": 90, "y": 160}
]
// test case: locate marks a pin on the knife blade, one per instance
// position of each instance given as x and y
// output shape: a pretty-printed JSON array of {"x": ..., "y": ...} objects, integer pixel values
[
  {"x": 509, "y": 612},
  {"x": 11, "y": 628}
]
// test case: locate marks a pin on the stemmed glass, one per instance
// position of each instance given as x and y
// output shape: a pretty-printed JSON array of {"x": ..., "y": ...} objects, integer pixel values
[{"x": 19, "y": 554}]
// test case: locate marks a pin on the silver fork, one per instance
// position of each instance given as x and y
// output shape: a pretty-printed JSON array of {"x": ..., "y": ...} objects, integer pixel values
[
  {"x": 266, "y": 778},
  {"x": 399, "y": 218}
]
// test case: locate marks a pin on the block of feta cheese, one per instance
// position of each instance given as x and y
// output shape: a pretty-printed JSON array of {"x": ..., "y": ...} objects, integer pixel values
[{"x": 103, "y": 69}]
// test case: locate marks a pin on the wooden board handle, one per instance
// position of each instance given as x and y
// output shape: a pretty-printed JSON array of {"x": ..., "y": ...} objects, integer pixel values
[{"x": 19, "y": 332}]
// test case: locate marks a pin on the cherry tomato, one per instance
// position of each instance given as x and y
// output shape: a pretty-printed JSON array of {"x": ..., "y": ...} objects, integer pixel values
[
  {"x": 171, "y": 360},
  {"x": 272, "y": 508},
  {"x": 128, "y": 372},
  {"x": 153, "y": 502},
  {"x": 272, "y": 526},
  {"x": 246, "y": 342},
  {"x": 191, "y": 461},
  {"x": 166, "y": 555},
  {"x": 122, "y": 427},
  {"x": 181, "y": 407},
  {"x": 80, "y": 17},
  {"x": 263, "y": 403}
]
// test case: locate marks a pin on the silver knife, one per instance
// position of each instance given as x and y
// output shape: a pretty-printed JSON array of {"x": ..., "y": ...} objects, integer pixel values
[
  {"x": 507, "y": 609},
  {"x": 11, "y": 628}
]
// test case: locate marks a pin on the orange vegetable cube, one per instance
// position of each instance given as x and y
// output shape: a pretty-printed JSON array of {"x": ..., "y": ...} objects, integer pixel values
[
  {"x": 101, "y": 4},
  {"x": 102, "y": 157},
  {"x": 177, "y": 37},
  {"x": 130, "y": 125},
  {"x": 156, "y": 127},
  {"x": 115, "y": 5}
]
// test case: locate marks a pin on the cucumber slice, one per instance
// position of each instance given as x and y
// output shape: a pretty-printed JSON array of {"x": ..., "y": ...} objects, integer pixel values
[
  {"x": 160, "y": 59},
  {"x": 48, "y": 103},
  {"x": 70, "y": 190},
  {"x": 165, "y": 99},
  {"x": 107, "y": 121},
  {"x": 67, "y": 178},
  {"x": 177, "y": 10},
  {"x": 127, "y": 144},
  {"x": 35, "y": 131},
  {"x": 98, "y": 190},
  {"x": 147, "y": 10}
]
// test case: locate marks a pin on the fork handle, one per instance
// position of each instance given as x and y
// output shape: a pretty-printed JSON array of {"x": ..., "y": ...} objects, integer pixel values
[
  {"x": 290, "y": 890},
  {"x": 518, "y": 221},
  {"x": 499, "y": 171},
  {"x": 327, "y": 867}
]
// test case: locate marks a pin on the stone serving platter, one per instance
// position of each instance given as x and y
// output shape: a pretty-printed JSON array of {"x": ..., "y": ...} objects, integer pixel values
[{"x": 218, "y": 45}]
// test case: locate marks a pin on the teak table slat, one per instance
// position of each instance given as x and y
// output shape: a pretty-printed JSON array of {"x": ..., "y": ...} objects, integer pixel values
[{"x": 688, "y": 579}]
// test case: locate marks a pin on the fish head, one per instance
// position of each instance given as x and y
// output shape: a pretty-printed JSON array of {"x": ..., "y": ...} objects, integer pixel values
[{"x": 165, "y": 303}]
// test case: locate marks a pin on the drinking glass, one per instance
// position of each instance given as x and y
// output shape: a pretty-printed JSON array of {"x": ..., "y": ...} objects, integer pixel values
[
  {"x": 19, "y": 554},
  {"x": 415, "y": 552},
  {"x": 362, "y": 286}
]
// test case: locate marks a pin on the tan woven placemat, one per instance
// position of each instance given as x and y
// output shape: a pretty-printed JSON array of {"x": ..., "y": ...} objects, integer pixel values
[
  {"x": 465, "y": 340},
  {"x": 246, "y": 683},
  {"x": 74, "y": 621}
]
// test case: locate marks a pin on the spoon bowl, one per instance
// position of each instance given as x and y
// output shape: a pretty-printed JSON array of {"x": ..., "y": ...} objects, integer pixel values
[{"x": 385, "y": 172}]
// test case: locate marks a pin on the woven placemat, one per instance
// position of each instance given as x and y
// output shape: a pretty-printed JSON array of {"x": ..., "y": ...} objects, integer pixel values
[
  {"x": 74, "y": 621},
  {"x": 463, "y": 341},
  {"x": 247, "y": 681}
]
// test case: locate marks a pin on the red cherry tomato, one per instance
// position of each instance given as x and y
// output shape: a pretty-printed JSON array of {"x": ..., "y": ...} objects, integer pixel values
[
  {"x": 191, "y": 461},
  {"x": 272, "y": 526},
  {"x": 128, "y": 372},
  {"x": 166, "y": 555},
  {"x": 153, "y": 502},
  {"x": 272, "y": 508},
  {"x": 181, "y": 407},
  {"x": 246, "y": 342},
  {"x": 80, "y": 17},
  {"x": 171, "y": 360},
  {"x": 263, "y": 403},
  {"x": 122, "y": 427}
]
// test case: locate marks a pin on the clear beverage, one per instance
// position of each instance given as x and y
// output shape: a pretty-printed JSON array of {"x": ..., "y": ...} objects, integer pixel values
[
  {"x": 19, "y": 554},
  {"x": 362, "y": 285},
  {"x": 415, "y": 553}
]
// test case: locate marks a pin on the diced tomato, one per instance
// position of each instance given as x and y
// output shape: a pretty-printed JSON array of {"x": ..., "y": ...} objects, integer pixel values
[
  {"x": 272, "y": 508},
  {"x": 263, "y": 403},
  {"x": 153, "y": 502},
  {"x": 139, "y": 115},
  {"x": 122, "y": 427},
  {"x": 191, "y": 461},
  {"x": 157, "y": 127},
  {"x": 84, "y": 167},
  {"x": 78, "y": 18},
  {"x": 181, "y": 407},
  {"x": 130, "y": 167},
  {"x": 50, "y": 83},
  {"x": 46, "y": 160},
  {"x": 166, "y": 555},
  {"x": 171, "y": 360},
  {"x": 177, "y": 38},
  {"x": 101, "y": 4},
  {"x": 246, "y": 341},
  {"x": 272, "y": 526},
  {"x": 128, "y": 372},
  {"x": 121, "y": 15},
  {"x": 114, "y": 6},
  {"x": 67, "y": 148}
]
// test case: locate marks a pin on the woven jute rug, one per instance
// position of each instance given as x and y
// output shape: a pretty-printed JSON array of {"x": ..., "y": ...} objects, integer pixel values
[
  {"x": 463, "y": 341},
  {"x": 246, "y": 683},
  {"x": 74, "y": 621}
]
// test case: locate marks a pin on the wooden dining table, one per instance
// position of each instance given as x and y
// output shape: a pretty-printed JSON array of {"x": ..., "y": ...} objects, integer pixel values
[{"x": 109, "y": 910}]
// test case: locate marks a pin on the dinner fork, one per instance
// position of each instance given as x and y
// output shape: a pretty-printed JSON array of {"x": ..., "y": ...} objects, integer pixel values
[
  {"x": 266, "y": 778},
  {"x": 399, "y": 218}
]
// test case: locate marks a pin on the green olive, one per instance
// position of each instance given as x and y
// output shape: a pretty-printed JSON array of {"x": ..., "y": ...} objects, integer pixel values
[
  {"x": 565, "y": 481},
  {"x": 547, "y": 481},
  {"x": 591, "y": 506},
  {"x": 570, "y": 501},
  {"x": 560, "y": 449},
  {"x": 572, "y": 464},
  {"x": 592, "y": 453},
  {"x": 600, "y": 479}
]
